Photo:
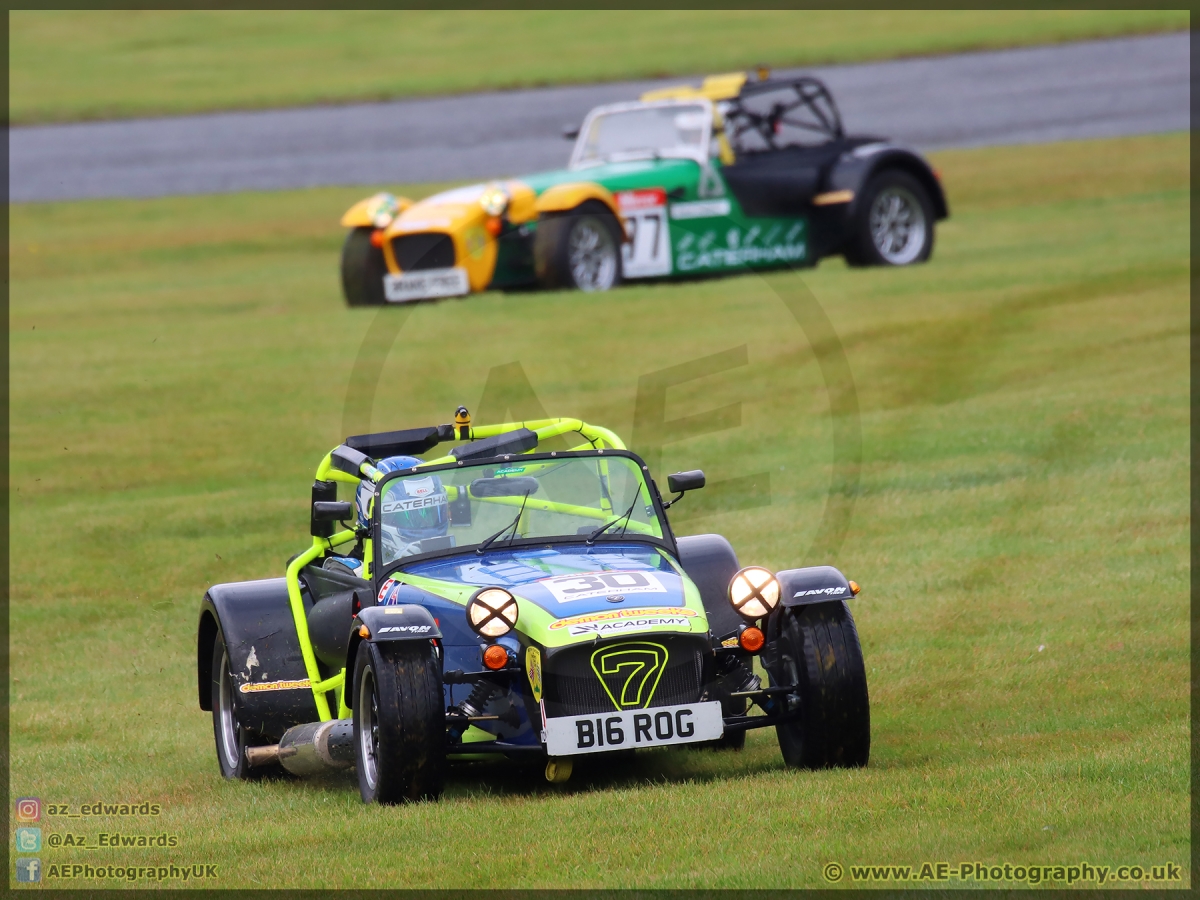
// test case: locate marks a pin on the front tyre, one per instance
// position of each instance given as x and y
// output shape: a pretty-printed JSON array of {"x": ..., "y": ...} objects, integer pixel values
[
  {"x": 399, "y": 722},
  {"x": 820, "y": 652},
  {"x": 363, "y": 269},
  {"x": 231, "y": 738},
  {"x": 579, "y": 249},
  {"x": 893, "y": 224}
]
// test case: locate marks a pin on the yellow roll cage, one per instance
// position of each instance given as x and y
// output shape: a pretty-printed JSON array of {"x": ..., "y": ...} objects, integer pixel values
[{"x": 594, "y": 437}]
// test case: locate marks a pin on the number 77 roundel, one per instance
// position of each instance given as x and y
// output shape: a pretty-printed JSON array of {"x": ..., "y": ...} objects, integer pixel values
[{"x": 648, "y": 251}]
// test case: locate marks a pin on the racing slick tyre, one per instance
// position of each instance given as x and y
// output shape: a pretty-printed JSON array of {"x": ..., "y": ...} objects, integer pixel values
[
  {"x": 231, "y": 738},
  {"x": 399, "y": 722},
  {"x": 893, "y": 225},
  {"x": 363, "y": 269},
  {"x": 820, "y": 652},
  {"x": 579, "y": 249}
]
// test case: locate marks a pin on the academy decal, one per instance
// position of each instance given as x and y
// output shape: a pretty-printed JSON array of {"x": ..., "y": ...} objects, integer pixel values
[
  {"x": 620, "y": 626},
  {"x": 606, "y": 629},
  {"x": 566, "y": 588},
  {"x": 613, "y": 615},
  {"x": 250, "y": 688}
]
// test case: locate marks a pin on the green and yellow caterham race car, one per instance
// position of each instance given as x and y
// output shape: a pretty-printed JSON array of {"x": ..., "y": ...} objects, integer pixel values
[
  {"x": 736, "y": 174},
  {"x": 497, "y": 598}
]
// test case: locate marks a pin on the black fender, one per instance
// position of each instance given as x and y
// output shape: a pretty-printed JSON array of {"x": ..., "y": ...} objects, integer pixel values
[
  {"x": 814, "y": 584},
  {"x": 851, "y": 172},
  {"x": 388, "y": 624},
  {"x": 255, "y": 619},
  {"x": 854, "y": 169},
  {"x": 710, "y": 561}
]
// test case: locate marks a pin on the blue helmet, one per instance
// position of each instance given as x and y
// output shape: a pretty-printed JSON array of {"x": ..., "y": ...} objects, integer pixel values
[{"x": 414, "y": 509}]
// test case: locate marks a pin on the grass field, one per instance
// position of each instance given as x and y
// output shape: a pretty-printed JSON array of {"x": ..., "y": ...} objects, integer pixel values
[
  {"x": 1019, "y": 523},
  {"x": 80, "y": 64}
]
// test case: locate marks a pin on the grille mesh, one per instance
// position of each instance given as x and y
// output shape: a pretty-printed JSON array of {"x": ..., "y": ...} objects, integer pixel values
[
  {"x": 573, "y": 688},
  {"x": 423, "y": 251}
]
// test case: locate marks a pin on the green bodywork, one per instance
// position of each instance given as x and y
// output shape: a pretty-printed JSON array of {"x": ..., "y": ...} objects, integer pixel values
[{"x": 708, "y": 231}]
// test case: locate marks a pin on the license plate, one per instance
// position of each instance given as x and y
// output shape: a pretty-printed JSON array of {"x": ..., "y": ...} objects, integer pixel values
[
  {"x": 425, "y": 285},
  {"x": 657, "y": 727}
]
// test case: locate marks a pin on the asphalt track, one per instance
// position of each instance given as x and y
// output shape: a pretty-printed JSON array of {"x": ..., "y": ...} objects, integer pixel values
[{"x": 1072, "y": 91}]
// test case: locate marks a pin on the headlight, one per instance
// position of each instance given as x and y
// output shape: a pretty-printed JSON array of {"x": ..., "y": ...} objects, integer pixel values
[
  {"x": 494, "y": 201},
  {"x": 492, "y": 612},
  {"x": 754, "y": 592}
]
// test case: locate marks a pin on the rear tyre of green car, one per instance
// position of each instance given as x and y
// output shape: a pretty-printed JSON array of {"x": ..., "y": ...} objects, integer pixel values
[
  {"x": 363, "y": 269},
  {"x": 399, "y": 722},
  {"x": 231, "y": 738},
  {"x": 893, "y": 222},
  {"x": 579, "y": 249},
  {"x": 820, "y": 652}
]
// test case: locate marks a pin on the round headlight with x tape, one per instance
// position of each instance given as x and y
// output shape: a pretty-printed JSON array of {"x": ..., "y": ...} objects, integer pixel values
[
  {"x": 754, "y": 592},
  {"x": 492, "y": 612}
]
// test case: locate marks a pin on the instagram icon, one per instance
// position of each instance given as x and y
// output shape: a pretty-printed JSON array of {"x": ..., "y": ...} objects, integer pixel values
[{"x": 29, "y": 809}]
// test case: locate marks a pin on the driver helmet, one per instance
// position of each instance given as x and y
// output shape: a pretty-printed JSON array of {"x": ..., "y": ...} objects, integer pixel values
[{"x": 414, "y": 509}]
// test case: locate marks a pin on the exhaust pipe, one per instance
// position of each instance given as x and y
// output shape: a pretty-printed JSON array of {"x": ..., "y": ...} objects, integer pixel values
[{"x": 310, "y": 748}]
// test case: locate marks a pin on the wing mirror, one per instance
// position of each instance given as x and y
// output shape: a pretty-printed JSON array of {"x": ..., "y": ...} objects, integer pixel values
[
  {"x": 326, "y": 511},
  {"x": 685, "y": 481},
  {"x": 682, "y": 482},
  {"x": 570, "y": 132}
]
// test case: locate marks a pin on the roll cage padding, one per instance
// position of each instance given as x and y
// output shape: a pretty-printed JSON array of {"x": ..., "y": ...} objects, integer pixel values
[
  {"x": 519, "y": 441},
  {"x": 409, "y": 442}
]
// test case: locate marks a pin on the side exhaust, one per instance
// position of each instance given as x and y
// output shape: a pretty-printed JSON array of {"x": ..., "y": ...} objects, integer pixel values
[{"x": 310, "y": 748}]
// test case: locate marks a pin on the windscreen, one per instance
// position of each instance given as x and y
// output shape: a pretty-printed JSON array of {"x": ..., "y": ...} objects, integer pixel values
[
  {"x": 676, "y": 130},
  {"x": 492, "y": 505}
]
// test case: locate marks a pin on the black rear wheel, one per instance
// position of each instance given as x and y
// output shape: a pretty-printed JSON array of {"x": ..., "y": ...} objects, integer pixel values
[
  {"x": 363, "y": 269},
  {"x": 399, "y": 722},
  {"x": 231, "y": 738},
  {"x": 819, "y": 651},
  {"x": 579, "y": 249},
  {"x": 893, "y": 224}
]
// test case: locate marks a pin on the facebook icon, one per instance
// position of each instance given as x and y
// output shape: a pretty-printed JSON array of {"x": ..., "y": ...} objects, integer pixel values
[{"x": 29, "y": 870}]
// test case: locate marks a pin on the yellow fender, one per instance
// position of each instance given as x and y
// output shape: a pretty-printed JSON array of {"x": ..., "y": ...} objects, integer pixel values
[
  {"x": 371, "y": 212},
  {"x": 563, "y": 197}
]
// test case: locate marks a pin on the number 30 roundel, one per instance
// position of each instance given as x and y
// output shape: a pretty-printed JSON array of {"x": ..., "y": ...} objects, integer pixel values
[{"x": 600, "y": 584}]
